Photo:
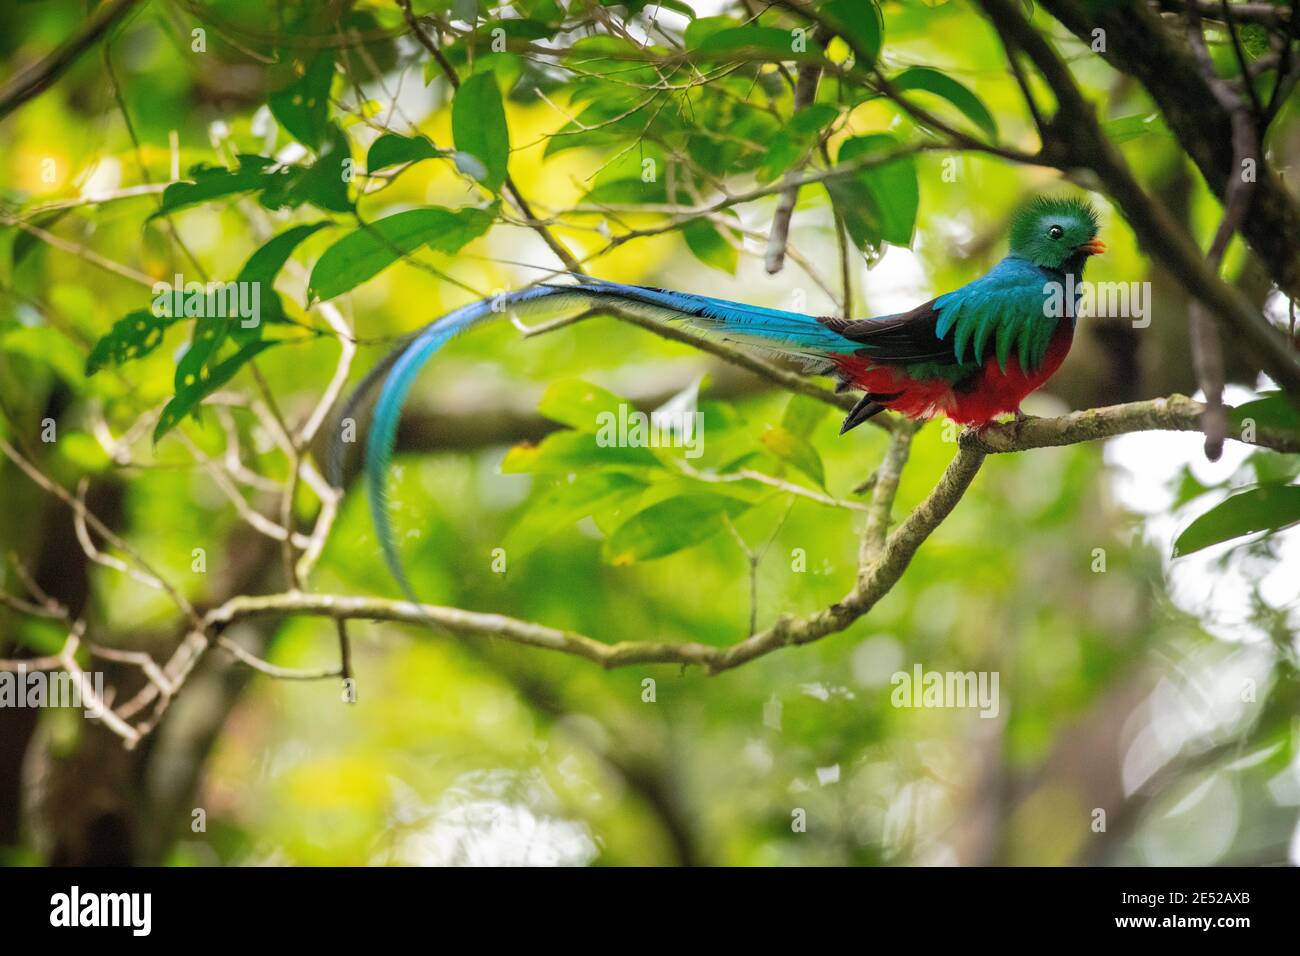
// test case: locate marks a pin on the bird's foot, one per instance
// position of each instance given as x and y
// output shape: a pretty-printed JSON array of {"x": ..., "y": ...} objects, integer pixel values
[
  {"x": 972, "y": 436},
  {"x": 977, "y": 436}
]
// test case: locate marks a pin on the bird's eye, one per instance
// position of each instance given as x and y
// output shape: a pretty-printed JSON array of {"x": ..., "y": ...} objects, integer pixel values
[{"x": 1056, "y": 232}]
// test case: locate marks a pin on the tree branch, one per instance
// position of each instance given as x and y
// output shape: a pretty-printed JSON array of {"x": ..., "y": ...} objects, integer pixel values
[
  {"x": 885, "y": 557},
  {"x": 885, "y": 566},
  {"x": 1139, "y": 43},
  {"x": 1078, "y": 139},
  {"x": 1176, "y": 413},
  {"x": 40, "y": 77},
  {"x": 884, "y": 490},
  {"x": 805, "y": 92},
  {"x": 511, "y": 190}
]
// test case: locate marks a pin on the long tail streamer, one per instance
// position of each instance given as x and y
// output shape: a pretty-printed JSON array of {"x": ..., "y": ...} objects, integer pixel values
[{"x": 787, "y": 333}]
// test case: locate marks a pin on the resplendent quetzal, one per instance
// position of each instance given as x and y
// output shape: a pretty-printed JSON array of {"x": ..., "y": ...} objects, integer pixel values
[{"x": 972, "y": 354}]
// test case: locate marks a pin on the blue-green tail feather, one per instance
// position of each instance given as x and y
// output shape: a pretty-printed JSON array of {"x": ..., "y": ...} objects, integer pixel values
[{"x": 788, "y": 333}]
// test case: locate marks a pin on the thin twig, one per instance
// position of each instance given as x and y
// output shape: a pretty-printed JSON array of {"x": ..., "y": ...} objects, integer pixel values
[{"x": 885, "y": 490}]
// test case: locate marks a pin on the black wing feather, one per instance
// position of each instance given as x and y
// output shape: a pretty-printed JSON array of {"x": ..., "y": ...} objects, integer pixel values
[{"x": 907, "y": 337}]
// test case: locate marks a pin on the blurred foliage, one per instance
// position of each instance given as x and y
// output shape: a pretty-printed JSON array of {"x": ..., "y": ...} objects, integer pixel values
[{"x": 318, "y": 151}]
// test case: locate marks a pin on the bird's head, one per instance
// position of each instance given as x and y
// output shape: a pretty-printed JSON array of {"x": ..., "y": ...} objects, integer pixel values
[{"x": 1056, "y": 233}]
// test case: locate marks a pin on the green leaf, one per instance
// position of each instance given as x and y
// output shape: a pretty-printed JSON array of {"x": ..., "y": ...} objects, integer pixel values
[
  {"x": 302, "y": 107},
  {"x": 547, "y": 11},
  {"x": 783, "y": 151},
  {"x": 214, "y": 182},
  {"x": 606, "y": 137},
  {"x": 763, "y": 41},
  {"x": 1272, "y": 468},
  {"x": 1262, "y": 508},
  {"x": 48, "y": 348},
  {"x": 478, "y": 126},
  {"x": 709, "y": 245},
  {"x": 195, "y": 366},
  {"x": 670, "y": 526},
  {"x": 564, "y": 503},
  {"x": 878, "y": 203},
  {"x": 730, "y": 437},
  {"x": 605, "y": 55},
  {"x": 629, "y": 191},
  {"x": 197, "y": 369},
  {"x": 1254, "y": 39},
  {"x": 323, "y": 184},
  {"x": 1125, "y": 128},
  {"x": 746, "y": 490},
  {"x": 197, "y": 386},
  {"x": 265, "y": 264},
  {"x": 571, "y": 452},
  {"x": 812, "y": 119},
  {"x": 1270, "y": 410},
  {"x": 391, "y": 149},
  {"x": 679, "y": 6},
  {"x": 892, "y": 185},
  {"x": 803, "y": 415},
  {"x": 1189, "y": 488},
  {"x": 580, "y": 404},
  {"x": 795, "y": 450},
  {"x": 860, "y": 23},
  {"x": 940, "y": 84},
  {"x": 699, "y": 30},
  {"x": 793, "y": 142},
  {"x": 133, "y": 336},
  {"x": 528, "y": 28},
  {"x": 261, "y": 269},
  {"x": 366, "y": 252},
  {"x": 459, "y": 228},
  {"x": 42, "y": 636}
]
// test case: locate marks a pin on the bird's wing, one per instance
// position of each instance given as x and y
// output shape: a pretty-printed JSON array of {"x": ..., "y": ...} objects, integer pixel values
[
  {"x": 898, "y": 339},
  {"x": 1004, "y": 310}
]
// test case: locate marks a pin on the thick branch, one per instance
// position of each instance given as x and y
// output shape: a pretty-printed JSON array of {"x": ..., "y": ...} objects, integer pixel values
[
  {"x": 1137, "y": 42},
  {"x": 1078, "y": 139},
  {"x": 40, "y": 77},
  {"x": 1176, "y": 413},
  {"x": 1264, "y": 13}
]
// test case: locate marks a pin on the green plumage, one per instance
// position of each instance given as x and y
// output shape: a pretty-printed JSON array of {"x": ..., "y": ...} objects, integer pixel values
[{"x": 1007, "y": 309}]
